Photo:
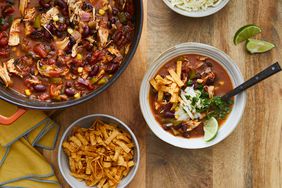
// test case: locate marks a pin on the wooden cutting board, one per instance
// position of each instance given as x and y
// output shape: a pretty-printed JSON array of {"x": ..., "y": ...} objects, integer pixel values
[{"x": 252, "y": 155}]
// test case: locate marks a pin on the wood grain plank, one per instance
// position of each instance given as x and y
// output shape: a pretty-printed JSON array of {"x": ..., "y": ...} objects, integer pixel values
[
  {"x": 168, "y": 166},
  {"x": 252, "y": 155},
  {"x": 120, "y": 100}
]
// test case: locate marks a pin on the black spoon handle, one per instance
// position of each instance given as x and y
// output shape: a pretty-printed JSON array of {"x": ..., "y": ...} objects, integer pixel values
[{"x": 271, "y": 70}]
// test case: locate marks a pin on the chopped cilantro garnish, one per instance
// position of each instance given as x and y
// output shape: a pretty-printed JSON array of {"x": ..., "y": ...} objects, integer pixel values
[
  {"x": 189, "y": 83},
  {"x": 216, "y": 107},
  {"x": 194, "y": 100}
]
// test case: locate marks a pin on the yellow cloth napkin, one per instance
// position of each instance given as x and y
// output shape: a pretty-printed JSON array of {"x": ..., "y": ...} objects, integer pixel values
[
  {"x": 21, "y": 165},
  {"x": 48, "y": 141},
  {"x": 36, "y": 133},
  {"x": 23, "y": 161},
  {"x": 26, "y": 123},
  {"x": 50, "y": 182}
]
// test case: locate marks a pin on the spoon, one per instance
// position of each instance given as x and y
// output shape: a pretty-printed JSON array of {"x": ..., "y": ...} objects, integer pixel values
[{"x": 269, "y": 71}]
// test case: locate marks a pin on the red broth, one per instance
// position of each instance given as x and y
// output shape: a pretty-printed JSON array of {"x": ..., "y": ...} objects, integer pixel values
[{"x": 222, "y": 84}]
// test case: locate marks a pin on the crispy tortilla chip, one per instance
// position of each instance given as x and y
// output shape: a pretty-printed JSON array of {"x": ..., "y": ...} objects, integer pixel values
[
  {"x": 154, "y": 84},
  {"x": 82, "y": 139},
  {"x": 112, "y": 136},
  {"x": 123, "y": 146},
  {"x": 176, "y": 78},
  {"x": 160, "y": 96},
  {"x": 179, "y": 68}
]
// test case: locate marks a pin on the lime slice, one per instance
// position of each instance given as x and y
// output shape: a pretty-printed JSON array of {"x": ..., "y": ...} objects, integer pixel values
[
  {"x": 258, "y": 46},
  {"x": 245, "y": 33},
  {"x": 210, "y": 129}
]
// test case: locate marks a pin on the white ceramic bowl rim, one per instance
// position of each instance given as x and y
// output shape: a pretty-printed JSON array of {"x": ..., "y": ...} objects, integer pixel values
[
  {"x": 196, "y": 14},
  {"x": 235, "y": 76},
  {"x": 125, "y": 181}
]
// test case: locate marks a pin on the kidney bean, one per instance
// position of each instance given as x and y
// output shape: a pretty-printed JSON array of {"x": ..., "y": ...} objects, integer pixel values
[
  {"x": 70, "y": 92},
  {"x": 169, "y": 114},
  {"x": 39, "y": 88},
  {"x": 72, "y": 40},
  {"x": 7, "y": 10},
  {"x": 186, "y": 134},
  {"x": 40, "y": 50},
  {"x": 59, "y": 34},
  {"x": 4, "y": 41},
  {"x": 113, "y": 20},
  {"x": 85, "y": 32},
  {"x": 166, "y": 127},
  {"x": 115, "y": 11},
  {"x": 94, "y": 71},
  {"x": 112, "y": 68},
  {"x": 165, "y": 108},
  {"x": 62, "y": 4},
  {"x": 184, "y": 127},
  {"x": 4, "y": 53},
  {"x": 210, "y": 81},
  {"x": 87, "y": 6},
  {"x": 35, "y": 35},
  {"x": 178, "y": 126},
  {"x": 68, "y": 84},
  {"x": 44, "y": 4},
  {"x": 62, "y": 27}
]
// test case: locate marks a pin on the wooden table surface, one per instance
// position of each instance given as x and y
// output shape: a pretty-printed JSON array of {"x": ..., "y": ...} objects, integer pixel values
[{"x": 252, "y": 155}]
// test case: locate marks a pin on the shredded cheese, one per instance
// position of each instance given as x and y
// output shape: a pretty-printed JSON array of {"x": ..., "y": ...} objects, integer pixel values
[{"x": 194, "y": 5}]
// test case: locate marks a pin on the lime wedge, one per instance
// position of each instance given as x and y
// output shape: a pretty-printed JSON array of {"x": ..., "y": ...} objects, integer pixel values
[
  {"x": 245, "y": 33},
  {"x": 210, "y": 129},
  {"x": 258, "y": 46}
]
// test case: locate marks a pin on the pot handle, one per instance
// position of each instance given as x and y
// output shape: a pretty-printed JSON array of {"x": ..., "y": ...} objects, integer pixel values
[{"x": 6, "y": 121}]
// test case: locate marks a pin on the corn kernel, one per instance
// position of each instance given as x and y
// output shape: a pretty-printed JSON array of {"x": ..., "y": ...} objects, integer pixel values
[
  {"x": 79, "y": 57},
  {"x": 70, "y": 31},
  {"x": 79, "y": 69},
  {"x": 56, "y": 18},
  {"x": 102, "y": 12},
  {"x": 27, "y": 92},
  {"x": 77, "y": 95}
]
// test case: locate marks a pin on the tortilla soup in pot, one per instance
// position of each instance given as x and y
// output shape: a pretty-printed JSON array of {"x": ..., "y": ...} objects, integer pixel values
[{"x": 59, "y": 50}]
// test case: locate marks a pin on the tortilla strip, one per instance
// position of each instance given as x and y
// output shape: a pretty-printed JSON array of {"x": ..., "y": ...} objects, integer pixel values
[
  {"x": 176, "y": 78},
  {"x": 154, "y": 84},
  {"x": 178, "y": 68},
  {"x": 160, "y": 95}
]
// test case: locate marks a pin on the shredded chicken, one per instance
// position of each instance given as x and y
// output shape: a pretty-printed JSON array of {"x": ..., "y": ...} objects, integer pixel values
[
  {"x": 27, "y": 28},
  {"x": 22, "y": 6},
  {"x": 75, "y": 9},
  {"x": 211, "y": 91},
  {"x": 48, "y": 16},
  {"x": 29, "y": 14},
  {"x": 33, "y": 80},
  {"x": 192, "y": 125},
  {"x": 4, "y": 75},
  {"x": 14, "y": 38},
  {"x": 11, "y": 67},
  {"x": 114, "y": 51},
  {"x": 74, "y": 49},
  {"x": 61, "y": 45},
  {"x": 103, "y": 35}
]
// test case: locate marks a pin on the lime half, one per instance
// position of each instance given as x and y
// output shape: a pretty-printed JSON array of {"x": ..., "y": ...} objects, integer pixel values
[
  {"x": 258, "y": 46},
  {"x": 245, "y": 33},
  {"x": 210, "y": 129}
]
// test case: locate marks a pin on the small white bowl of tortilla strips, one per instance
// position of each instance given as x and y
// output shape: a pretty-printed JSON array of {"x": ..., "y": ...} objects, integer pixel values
[
  {"x": 196, "y": 8},
  {"x": 98, "y": 150}
]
